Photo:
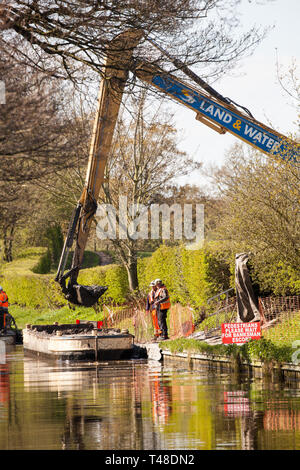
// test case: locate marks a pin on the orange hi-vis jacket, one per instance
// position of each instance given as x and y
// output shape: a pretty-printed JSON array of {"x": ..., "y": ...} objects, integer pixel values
[
  {"x": 3, "y": 300},
  {"x": 150, "y": 299},
  {"x": 149, "y": 307},
  {"x": 162, "y": 292}
]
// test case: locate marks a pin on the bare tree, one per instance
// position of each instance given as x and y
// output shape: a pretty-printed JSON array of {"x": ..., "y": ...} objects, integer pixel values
[
  {"x": 261, "y": 214},
  {"x": 38, "y": 133},
  {"x": 78, "y": 32},
  {"x": 39, "y": 137},
  {"x": 144, "y": 161}
]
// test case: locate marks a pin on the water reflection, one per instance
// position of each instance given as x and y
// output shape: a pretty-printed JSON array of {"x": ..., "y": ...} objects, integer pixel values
[{"x": 140, "y": 405}]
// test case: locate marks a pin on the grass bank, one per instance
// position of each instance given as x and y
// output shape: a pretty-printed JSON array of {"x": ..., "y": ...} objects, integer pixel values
[
  {"x": 24, "y": 315},
  {"x": 26, "y": 288},
  {"x": 276, "y": 344}
]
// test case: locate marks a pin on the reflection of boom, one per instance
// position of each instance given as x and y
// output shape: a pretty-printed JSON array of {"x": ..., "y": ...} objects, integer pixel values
[{"x": 211, "y": 108}]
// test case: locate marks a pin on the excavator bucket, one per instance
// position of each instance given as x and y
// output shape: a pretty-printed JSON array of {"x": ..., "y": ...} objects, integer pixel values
[{"x": 85, "y": 296}]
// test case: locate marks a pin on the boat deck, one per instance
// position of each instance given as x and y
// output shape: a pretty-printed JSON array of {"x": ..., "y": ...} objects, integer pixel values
[{"x": 72, "y": 341}]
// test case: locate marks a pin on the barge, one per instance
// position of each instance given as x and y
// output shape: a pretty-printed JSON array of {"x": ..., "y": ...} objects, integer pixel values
[{"x": 78, "y": 341}]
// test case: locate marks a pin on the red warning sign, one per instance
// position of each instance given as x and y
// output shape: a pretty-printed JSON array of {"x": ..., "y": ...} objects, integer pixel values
[{"x": 240, "y": 332}]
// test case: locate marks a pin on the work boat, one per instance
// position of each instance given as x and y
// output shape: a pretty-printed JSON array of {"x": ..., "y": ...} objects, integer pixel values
[{"x": 83, "y": 340}]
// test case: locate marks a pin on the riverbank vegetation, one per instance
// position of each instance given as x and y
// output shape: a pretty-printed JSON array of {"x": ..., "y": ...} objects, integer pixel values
[{"x": 275, "y": 345}]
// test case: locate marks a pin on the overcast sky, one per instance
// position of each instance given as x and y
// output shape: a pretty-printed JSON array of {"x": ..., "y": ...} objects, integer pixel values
[{"x": 253, "y": 84}]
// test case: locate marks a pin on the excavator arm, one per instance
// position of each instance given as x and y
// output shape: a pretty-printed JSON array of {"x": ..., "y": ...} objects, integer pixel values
[
  {"x": 220, "y": 115},
  {"x": 211, "y": 109}
]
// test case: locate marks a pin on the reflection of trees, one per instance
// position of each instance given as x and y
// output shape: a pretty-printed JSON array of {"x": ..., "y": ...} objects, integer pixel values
[
  {"x": 133, "y": 405},
  {"x": 111, "y": 416},
  {"x": 72, "y": 437},
  {"x": 250, "y": 426}
]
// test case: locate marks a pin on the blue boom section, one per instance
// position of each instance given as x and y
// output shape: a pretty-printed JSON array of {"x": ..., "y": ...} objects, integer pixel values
[{"x": 249, "y": 130}]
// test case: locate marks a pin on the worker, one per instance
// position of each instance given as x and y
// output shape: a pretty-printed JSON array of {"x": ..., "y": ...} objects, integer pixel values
[
  {"x": 151, "y": 309},
  {"x": 162, "y": 305},
  {"x": 3, "y": 307}
]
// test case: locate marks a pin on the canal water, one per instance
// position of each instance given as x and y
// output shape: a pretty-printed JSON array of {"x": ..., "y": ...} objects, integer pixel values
[{"x": 140, "y": 405}]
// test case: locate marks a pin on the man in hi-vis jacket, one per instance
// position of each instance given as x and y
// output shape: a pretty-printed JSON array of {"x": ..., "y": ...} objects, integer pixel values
[
  {"x": 162, "y": 305},
  {"x": 3, "y": 307}
]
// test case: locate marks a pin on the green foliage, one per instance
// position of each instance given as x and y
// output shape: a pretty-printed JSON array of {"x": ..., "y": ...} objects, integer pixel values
[
  {"x": 277, "y": 277},
  {"x": 44, "y": 264},
  {"x": 266, "y": 351},
  {"x": 55, "y": 240},
  {"x": 50, "y": 259},
  {"x": 117, "y": 281},
  {"x": 263, "y": 350},
  {"x": 92, "y": 276},
  {"x": 260, "y": 214},
  {"x": 28, "y": 290},
  {"x": 113, "y": 276},
  {"x": 191, "y": 276}
]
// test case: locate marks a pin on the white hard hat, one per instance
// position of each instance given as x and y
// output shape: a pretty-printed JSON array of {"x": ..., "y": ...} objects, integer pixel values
[
  {"x": 152, "y": 283},
  {"x": 158, "y": 281},
  {"x": 1, "y": 288}
]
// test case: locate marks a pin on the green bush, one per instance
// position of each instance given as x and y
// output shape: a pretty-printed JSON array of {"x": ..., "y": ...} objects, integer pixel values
[
  {"x": 265, "y": 351},
  {"x": 191, "y": 276},
  {"x": 31, "y": 291},
  {"x": 55, "y": 240},
  {"x": 278, "y": 278},
  {"x": 113, "y": 276},
  {"x": 44, "y": 264},
  {"x": 41, "y": 291},
  {"x": 50, "y": 259},
  {"x": 117, "y": 281}
]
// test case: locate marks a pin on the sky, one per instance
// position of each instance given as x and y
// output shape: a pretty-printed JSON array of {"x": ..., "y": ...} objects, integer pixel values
[{"x": 253, "y": 84}]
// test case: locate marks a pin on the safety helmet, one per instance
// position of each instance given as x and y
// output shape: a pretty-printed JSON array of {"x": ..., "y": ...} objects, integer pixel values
[
  {"x": 1, "y": 288},
  {"x": 152, "y": 283},
  {"x": 158, "y": 281}
]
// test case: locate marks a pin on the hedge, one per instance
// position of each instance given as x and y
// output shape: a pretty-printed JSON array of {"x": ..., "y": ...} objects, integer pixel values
[
  {"x": 41, "y": 291},
  {"x": 192, "y": 276}
]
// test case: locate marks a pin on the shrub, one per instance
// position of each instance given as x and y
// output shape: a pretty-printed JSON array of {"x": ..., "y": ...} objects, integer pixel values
[
  {"x": 50, "y": 259},
  {"x": 31, "y": 291},
  {"x": 191, "y": 276},
  {"x": 44, "y": 264},
  {"x": 41, "y": 291},
  {"x": 117, "y": 281}
]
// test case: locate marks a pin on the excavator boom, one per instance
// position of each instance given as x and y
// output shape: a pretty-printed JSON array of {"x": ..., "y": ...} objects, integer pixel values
[
  {"x": 116, "y": 70},
  {"x": 219, "y": 115}
]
